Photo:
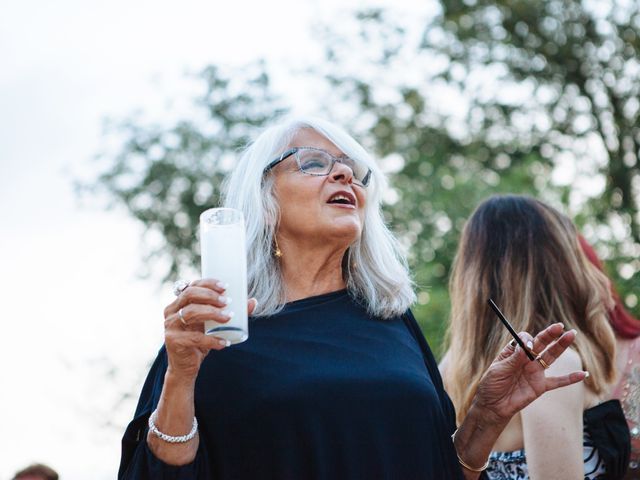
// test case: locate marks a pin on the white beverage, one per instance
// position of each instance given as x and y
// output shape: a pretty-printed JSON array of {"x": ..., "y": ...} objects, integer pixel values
[{"x": 224, "y": 258}]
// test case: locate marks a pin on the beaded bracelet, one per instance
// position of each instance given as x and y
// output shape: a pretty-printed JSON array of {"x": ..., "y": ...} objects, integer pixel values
[
  {"x": 168, "y": 438},
  {"x": 463, "y": 463}
]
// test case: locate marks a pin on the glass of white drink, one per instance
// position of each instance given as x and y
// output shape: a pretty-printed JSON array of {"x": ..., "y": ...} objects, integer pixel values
[{"x": 224, "y": 258}]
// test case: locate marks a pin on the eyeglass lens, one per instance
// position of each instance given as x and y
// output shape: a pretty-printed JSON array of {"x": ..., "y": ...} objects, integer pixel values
[{"x": 318, "y": 162}]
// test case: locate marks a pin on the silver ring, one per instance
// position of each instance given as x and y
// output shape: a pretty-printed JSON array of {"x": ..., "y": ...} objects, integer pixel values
[
  {"x": 182, "y": 317},
  {"x": 179, "y": 286}
]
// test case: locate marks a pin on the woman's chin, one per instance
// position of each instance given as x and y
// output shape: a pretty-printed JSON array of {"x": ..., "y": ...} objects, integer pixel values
[{"x": 350, "y": 230}]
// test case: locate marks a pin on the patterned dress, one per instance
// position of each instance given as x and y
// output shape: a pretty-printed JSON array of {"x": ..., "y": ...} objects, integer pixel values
[{"x": 513, "y": 465}]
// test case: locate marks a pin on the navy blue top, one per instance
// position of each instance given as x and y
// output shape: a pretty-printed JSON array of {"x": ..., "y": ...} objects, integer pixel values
[{"x": 319, "y": 391}]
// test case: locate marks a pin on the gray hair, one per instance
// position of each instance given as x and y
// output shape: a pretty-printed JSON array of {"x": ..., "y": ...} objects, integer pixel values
[{"x": 374, "y": 267}]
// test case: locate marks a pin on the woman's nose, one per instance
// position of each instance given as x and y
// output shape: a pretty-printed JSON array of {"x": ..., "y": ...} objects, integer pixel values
[{"x": 341, "y": 173}]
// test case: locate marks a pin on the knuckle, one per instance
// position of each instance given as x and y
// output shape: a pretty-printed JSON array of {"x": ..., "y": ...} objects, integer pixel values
[
  {"x": 206, "y": 296},
  {"x": 188, "y": 312},
  {"x": 188, "y": 295},
  {"x": 170, "y": 337},
  {"x": 195, "y": 313},
  {"x": 202, "y": 313}
]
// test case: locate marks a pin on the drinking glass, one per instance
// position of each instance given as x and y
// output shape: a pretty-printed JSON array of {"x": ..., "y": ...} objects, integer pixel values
[{"x": 224, "y": 258}]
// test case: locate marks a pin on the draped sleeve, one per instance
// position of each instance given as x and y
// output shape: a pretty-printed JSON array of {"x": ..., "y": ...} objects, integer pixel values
[
  {"x": 434, "y": 373},
  {"x": 137, "y": 461}
]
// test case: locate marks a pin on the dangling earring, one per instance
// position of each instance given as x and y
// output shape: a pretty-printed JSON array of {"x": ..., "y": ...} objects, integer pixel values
[
  {"x": 352, "y": 262},
  {"x": 277, "y": 252}
]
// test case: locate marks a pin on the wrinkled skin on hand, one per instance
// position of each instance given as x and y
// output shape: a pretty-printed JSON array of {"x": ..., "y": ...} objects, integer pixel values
[{"x": 513, "y": 381}]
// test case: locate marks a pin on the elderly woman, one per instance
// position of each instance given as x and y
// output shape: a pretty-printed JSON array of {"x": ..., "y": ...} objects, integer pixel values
[{"x": 336, "y": 380}]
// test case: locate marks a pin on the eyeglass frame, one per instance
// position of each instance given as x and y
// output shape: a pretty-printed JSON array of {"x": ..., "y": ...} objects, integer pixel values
[{"x": 292, "y": 151}]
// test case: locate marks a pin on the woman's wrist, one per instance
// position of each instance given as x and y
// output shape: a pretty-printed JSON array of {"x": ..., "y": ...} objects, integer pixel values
[
  {"x": 476, "y": 436},
  {"x": 179, "y": 380},
  {"x": 465, "y": 464},
  {"x": 487, "y": 418},
  {"x": 174, "y": 417},
  {"x": 176, "y": 406}
]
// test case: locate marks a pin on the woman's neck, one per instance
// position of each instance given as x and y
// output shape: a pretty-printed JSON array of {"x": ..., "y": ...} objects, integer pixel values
[{"x": 308, "y": 272}]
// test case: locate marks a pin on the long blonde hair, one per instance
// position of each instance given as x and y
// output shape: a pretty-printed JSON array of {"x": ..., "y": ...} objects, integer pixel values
[{"x": 525, "y": 256}]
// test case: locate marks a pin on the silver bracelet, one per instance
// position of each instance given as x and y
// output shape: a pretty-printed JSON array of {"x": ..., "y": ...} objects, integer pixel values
[{"x": 168, "y": 438}]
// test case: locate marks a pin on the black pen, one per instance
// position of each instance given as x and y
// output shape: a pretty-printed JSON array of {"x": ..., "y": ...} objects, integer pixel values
[{"x": 513, "y": 333}]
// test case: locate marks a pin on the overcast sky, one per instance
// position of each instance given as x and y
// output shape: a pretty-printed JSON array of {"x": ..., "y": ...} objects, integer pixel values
[{"x": 78, "y": 326}]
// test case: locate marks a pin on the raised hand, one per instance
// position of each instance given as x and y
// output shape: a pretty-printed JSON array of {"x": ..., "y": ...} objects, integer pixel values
[
  {"x": 512, "y": 381},
  {"x": 185, "y": 341}
]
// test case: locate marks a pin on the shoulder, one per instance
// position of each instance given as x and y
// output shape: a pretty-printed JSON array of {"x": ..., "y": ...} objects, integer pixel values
[
  {"x": 412, "y": 324},
  {"x": 428, "y": 357},
  {"x": 416, "y": 332},
  {"x": 568, "y": 400}
]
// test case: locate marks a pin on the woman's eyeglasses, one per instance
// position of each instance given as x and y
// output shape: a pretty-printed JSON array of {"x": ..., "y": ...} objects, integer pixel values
[{"x": 315, "y": 161}]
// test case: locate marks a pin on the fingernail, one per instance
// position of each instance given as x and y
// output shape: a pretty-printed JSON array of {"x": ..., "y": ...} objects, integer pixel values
[
  {"x": 228, "y": 313},
  {"x": 223, "y": 342},
  {"x": 529, "y": 344},
  {"x": 574, "y": 331},
  {"x": 561, "y": 324},
  {"x": 586, "y": 374},
  {"x": 223, "y": 299},
  {"x": 256, "y": 303},
  {"x": 222, "y": 285}
]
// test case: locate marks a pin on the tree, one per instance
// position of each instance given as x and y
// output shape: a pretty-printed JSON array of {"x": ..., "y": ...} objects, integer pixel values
[
  {"x": 489, "y": 97},
  {"x": 443, "y": 164},
  {"x": 579, "y": 63},
  {"x": 548, "y": 106},
  {"x": 167, "y": 175}
]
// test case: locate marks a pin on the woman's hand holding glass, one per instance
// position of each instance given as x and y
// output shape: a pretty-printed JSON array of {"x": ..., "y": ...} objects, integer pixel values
[{"x": 185, "y": 341}]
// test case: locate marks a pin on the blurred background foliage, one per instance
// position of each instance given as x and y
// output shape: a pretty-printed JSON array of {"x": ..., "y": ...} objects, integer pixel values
[{"x": 474, "y": 98}]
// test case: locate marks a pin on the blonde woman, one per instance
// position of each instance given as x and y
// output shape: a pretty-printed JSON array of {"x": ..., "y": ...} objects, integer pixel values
[{"x": 525, "y": 256}]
